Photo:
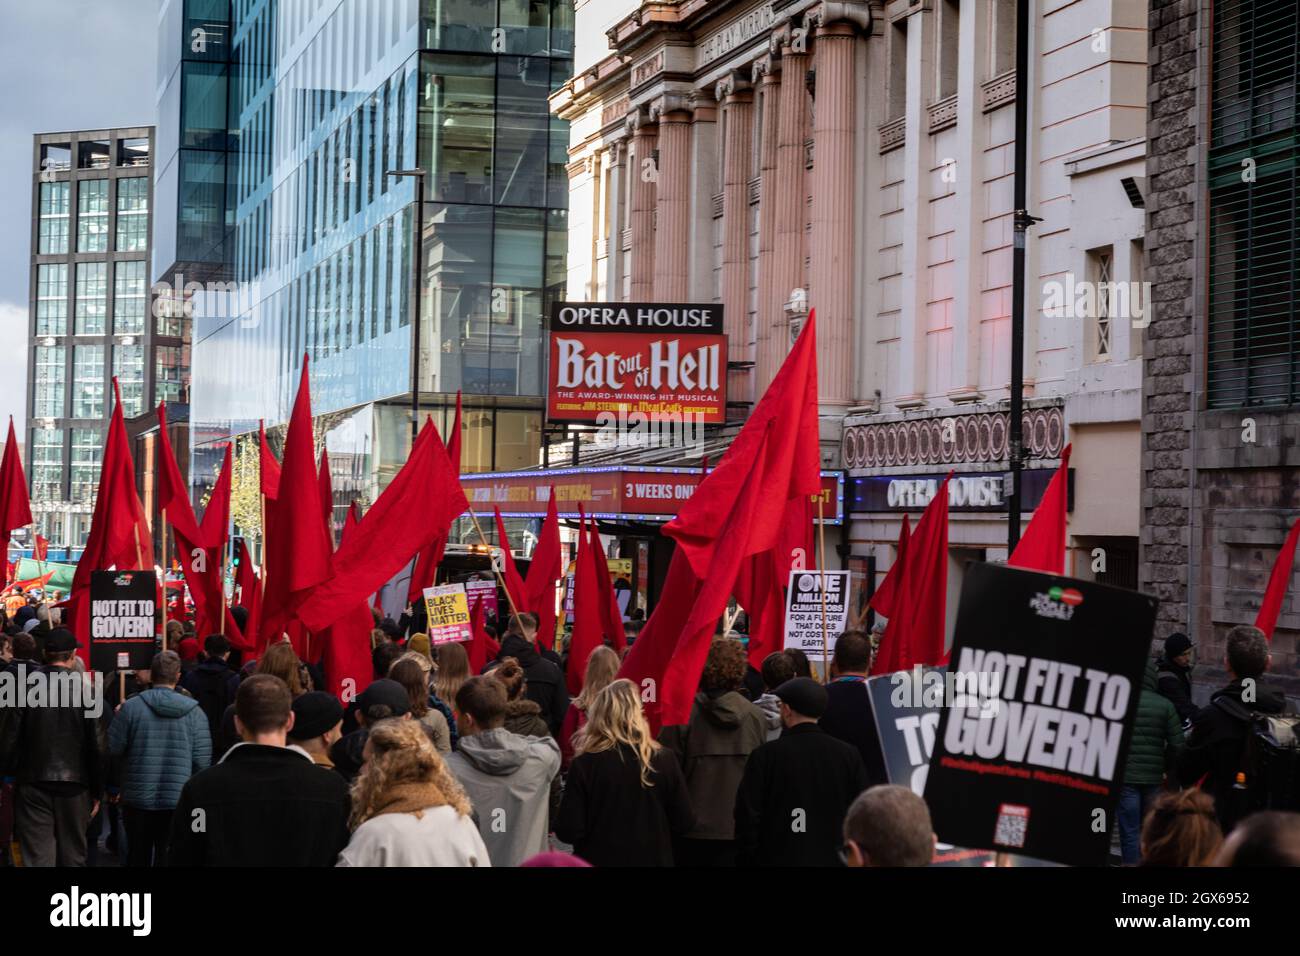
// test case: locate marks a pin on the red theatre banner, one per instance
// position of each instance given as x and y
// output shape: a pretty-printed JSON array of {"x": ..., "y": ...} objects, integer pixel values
[
  {"x": 661, "y": 361},
  {"x": 635, "y": 493}
]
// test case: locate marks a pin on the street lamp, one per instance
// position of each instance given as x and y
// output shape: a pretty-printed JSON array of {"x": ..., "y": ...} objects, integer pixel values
[{"x": 417, "y": 259}]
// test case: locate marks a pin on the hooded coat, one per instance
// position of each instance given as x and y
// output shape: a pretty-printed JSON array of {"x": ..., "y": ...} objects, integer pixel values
[
  {"x": 164, "y": 739},
  {"x": 724, "y": 729},
  {"x": 508, "y": 779},
  {"x": 524, "y": 717},
  {"x": 1157, "y": 735},
  {"x": 545, "y": 686}
]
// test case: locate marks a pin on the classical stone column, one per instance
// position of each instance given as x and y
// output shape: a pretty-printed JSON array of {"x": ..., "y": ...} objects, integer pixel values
[
  {"x": 770, "y": 311},
  {"x": 788, "y": 191},
  {"x": 673, "y": 195},
  {"x": 706, "y": 181},
  {"x": 737, "y": 146},
  {"x": 616, "y": 161},
  {"x": 833, "y": 183},
  {"x": 641, "y": 176}
]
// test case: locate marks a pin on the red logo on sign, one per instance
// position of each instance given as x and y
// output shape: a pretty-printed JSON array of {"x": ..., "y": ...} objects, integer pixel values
[{"x": 1072, "y": 597}]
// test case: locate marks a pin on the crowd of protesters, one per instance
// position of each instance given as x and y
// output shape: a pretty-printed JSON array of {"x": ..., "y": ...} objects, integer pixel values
[{"x": 205, "y": 758}]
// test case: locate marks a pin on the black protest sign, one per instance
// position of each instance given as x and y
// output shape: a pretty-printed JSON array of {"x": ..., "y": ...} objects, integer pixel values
[
  {"x": 1042, "y": 692},
  {"x": 123, "y": 619}
]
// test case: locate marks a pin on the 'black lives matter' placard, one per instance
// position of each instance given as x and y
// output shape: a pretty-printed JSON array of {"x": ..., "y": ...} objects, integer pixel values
[
  {"x": 123, "y": 619},
  {"x": 1046, "y": 673}
]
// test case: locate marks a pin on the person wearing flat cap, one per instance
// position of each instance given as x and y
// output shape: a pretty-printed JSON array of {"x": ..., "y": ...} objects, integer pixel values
[
  {"x": 317, "y": 717},
  {"x": 796, "y": 790},
  {"x": 380, "y": 700},
  {"x": 1174, "y": 676}
]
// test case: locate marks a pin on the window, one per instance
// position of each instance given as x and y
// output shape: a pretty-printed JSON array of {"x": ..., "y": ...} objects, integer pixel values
[
  {"x": 169, "y": 313},
  {"x": 92, "y": 154},
  {"x": 133, "y": 152},
  {"x": 1100, "y": 277},
  {"x": 92, "y": 298},
  {"x": 1139, "y": 299},
  {"x": 47, "y": 465},
  {"x": 128, "y": 366},
  {"x": 56, "y": 157},
  {"x": 52, "y": 299},
  {"x": 898, "y": 68},
  {"x": 88, "y": 381},
  {"x": 53, "y": 230},
  {"x": 1002, "y": 40},
  {"x": 949, "y": 33},
  {"x": 92, "y": 215},
  {"x": 171, "y": 373},
  {"x": 87, "y": 455},
  {"x": 132, "y": 214},
  {"x": 1254, "y": 70},
  {"x": 128, "y": 298},
  {"x": 522, "y": 127},
  {"x": 455, "y": 124},
  {"x": 48, "y": 389}
]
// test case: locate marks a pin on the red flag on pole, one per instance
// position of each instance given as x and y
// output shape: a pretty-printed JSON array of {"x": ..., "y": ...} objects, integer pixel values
[
  {"x": 416, "y": 508},
  {"x": 738, "y": 510},
  {"x": 250, "y": 594},
  {"x": 425, "y": 572},
  {"x": 588, "y": 627},
  {"x": 1042, "y": 548},
  {"x": 761, "y": 586},
  {"x": 514, "y": 583},
  {"x": 544, "y": 574},
  {"x": 41, "y": 550},
  {"x": 482, "y": 648},
  {"x": 327, "y": 496},
  {"x": 173, "y": 493},
  {"x": 886, "y": 596},
  {"x": 298, "y": 552},
  {"x": 268, "y": 467},
  {"x": 15, "y": 508},
  {"x": 1279, "y": 582},
  {"x": 915, "y": 633},
  {"x": 345, "y": 644},
  {"x": 611, "y": 615}
]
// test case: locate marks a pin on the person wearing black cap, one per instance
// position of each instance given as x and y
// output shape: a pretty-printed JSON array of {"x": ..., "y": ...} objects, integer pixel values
[
  {"x": 317, "y": 717},
  {"x": 379, "y": 701},
  {"x": 57, "y": 755},
  {"x": 1174, "y": 676},
  {"x": 796, "y": 789}
]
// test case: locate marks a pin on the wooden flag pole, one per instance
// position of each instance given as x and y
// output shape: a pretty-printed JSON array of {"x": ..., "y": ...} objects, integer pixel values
[
  {"x": 514, "y": 609},
  {"x": 821, "y": 566}
]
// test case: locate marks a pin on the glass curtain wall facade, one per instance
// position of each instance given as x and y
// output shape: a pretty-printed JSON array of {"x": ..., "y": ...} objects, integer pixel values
[
  {"x": 92, "y": 197},
  {"x": 326, "y": 98}
]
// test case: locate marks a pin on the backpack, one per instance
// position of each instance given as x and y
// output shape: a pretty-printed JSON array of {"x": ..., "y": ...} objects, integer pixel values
[{"x": 1270, "y": 759}]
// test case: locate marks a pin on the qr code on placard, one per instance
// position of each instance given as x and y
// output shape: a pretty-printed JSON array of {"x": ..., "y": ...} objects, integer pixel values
[{"x": 1013, "y": 823}]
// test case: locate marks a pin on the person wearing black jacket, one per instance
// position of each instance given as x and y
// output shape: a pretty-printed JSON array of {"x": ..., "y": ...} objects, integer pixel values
[
  {"x": 849, "y": 716},
  {"x": 213, "y": 684},
  {"x": 797, "y": 789},
  {"x": 545, "y": 680},
  {"x": 1219, "y": 732},
  {"x": 266, "y": 803},
  {"x": 1174, "y": 676},
  {"x": 57, "y": 755}
]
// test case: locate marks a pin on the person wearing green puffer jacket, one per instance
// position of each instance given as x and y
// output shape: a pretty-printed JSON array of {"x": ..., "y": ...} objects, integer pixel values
[
  {"x": 1157, "y": 740},
  {"x": 164, "y": 739}
]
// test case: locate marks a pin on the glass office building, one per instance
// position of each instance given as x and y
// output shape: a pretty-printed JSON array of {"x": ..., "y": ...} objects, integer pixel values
[
  {"x": 90, "y": 318},
  {"x": 322, "y": 100}
]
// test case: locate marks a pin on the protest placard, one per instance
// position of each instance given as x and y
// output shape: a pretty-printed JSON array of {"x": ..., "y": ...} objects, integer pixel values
[
  {"x": 123, "y": 619},
  {"x": 448, "y": 608}
]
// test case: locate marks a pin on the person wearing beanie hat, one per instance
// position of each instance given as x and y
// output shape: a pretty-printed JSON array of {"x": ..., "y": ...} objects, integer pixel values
[
  {"x": 420, "y": 644},
  {"x": 804, "y": 775},
  {"x": 317, "y": 719},
  {"x": 1174, "y": 675}
]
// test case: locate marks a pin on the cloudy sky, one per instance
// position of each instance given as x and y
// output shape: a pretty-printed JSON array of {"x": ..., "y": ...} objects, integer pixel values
[{"x": 64, "y": 65}]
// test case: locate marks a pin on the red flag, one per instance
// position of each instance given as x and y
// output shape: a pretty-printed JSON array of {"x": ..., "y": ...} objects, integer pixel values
[
  {"x": 119, "y": 532},
  {"x": 15, "y": 509},
  {"x": 883, "y": 601},
  {"x": 37, "y": 582},
  {"x": 588, "y": 627},
  {"x": 544, "y": 574},
  {"x": 41, "y": 550},
  {"x": 269, "y": 468},
  {"x": 761, "y": 586},
  {"x": 173, "y": 493},
  {"x": 250, "y": 594},
  {"x": 327, "y": 496},
  {"x": 514, "y": 583},
  {"x": 416, "y": 508},
  {"x": 298, "y": 551},
  {"x": 1043, "y": 546},
  {"x": 1279, "y": 581},
  {"x": 738, "y": 510},
  {"x": 915, "y": 634},
  {"x": 345, "y": 644},
  {"x": 425, "y": 571},
  {"x": 611, "y": 615}
]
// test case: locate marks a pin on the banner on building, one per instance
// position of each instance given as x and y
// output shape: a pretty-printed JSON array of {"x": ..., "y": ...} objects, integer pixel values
[
  {"x": 633, "y": 362},
  {"x": 803, "y": 611},
  {"x": 448, "y": 608},
  {"x": 123, "y": 619},
  {"x": 1040, "y": 700}
]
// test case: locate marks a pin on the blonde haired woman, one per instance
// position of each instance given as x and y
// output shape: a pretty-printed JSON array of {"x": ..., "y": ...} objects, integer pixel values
[
  {"x": 602, "y": 668},
  {"x": 625, "y": 797},
  {"x": 407, "y": 808},
  {"x": 452, "y": 671}
]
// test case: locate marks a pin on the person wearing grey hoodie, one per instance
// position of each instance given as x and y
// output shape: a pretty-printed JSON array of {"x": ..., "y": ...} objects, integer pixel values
[
  {"x": 776, "y": 670},
  {"x": 510, "y": 779},
  {"x": 163, "y": 738}
]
